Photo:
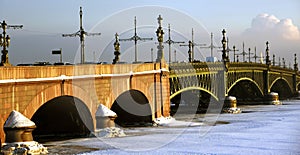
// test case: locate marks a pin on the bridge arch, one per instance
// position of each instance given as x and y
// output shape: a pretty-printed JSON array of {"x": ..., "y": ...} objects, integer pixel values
[
  {"x": 70, "y": 93},
  {"x": 281, "y": 78},
  {"x": 55, "y": 91},
  {"x": 62, "y": 117},
  {"x": 246, "y": 91},
  {"x": 132, "y": 108},
  {"x": 191, "y": 100},
  {"x": 246, "y": 79},
  {"x": 282, "y": 87},
  {"x": 194, "y": 88},
  {"x": 298, "y": 86}
]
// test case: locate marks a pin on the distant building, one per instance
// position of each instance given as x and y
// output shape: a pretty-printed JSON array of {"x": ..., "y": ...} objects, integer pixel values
[{"x": 211, "y": 59}]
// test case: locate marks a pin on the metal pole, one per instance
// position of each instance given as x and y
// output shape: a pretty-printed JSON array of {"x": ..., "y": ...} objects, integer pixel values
[
  {"x": 61, "y": 55},
  {"x": 151, "y": 54}
]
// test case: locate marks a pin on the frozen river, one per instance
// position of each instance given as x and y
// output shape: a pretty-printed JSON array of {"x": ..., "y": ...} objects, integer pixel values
[{"x": 262, "y": 129}]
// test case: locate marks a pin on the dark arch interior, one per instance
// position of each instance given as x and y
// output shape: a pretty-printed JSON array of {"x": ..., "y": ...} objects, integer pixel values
[
  {"x": 282, "y": 88},
  {"x": 62, "y": 118},
  {"x": 133, "y": 109},
  {"x": 246, "y": 92},
  {"x": 191, "y": 102}
]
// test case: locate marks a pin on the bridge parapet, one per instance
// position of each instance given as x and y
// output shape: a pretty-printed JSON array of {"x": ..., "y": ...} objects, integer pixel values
[
  {"x": 27, "y": 72},
  {"x": 178, "y": 68},
  {"x": 246, "y": 66}
]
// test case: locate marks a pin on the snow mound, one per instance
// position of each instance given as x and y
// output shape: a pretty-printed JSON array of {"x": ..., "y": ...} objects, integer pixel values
[
  {"x": 231, "y": 98},
  {"x": 17, "y": 120},
  {"x": 274, "y": 94},
  {"x": 170, "y": 121},
  {"x": 103, "y": 111},
  {"x": 32, "y": 147},
  {"x": 110, "y": 132},
  {"x": 232, "y": 110},
  {"x": 163, "y": 121}
]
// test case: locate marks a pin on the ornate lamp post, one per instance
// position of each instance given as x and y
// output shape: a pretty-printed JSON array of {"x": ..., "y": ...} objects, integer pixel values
[
  {"x": 225, "y": 58},
  {"x": 268, "y": 62},
  {"x": 224, "y": 52},
  {"x": 117, "y": 49},
  {"x": 234, "y": 50},
  {"x": 160, "y": 38},
  {"x": 295, "y": 63},
  {"x": 4, "y": 42}
]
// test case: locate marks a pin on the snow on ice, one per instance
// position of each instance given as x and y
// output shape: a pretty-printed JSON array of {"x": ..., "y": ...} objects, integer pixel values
[{"x": 260, "y": 129}]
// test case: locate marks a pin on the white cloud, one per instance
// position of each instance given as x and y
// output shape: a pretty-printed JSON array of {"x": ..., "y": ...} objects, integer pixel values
[{"x": 269, "y": 26}]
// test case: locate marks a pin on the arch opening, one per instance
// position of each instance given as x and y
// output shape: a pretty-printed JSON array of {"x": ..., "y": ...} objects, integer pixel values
[
  {"x": 61, "y": 118},
  {"x": 246, "y": 92},
  {"x": 191, "y": 101},
  {"x": 133, "y": 109},
  {"x": 282, "y": 88}
]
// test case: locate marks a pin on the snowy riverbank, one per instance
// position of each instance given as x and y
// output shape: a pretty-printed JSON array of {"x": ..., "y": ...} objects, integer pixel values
[{"x": 264, "y": 129}]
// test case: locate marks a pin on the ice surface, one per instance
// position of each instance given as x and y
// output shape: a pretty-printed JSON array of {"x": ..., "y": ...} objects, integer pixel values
[
  {"x": 261, "y": 129},
  {"x": 17, "y": 120},
  {"x": 103, "y": 111}
]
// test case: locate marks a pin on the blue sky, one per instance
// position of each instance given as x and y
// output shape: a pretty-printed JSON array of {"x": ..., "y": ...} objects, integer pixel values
[{"x": 45, "y": 21}]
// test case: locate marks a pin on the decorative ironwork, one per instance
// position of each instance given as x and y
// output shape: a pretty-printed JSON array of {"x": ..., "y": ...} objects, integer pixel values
[
  {"x": 170, "y": 42},
  {"x": 5, "y": 42},
  {"x": 268, "y": 62},
  {"x": 135, "y": 38},
  {"x": 81, "y": 33},
  {"x": 160, "y": 38},
  {"x": 191, "y": 44},
  {"x": 295, "y": 63},
  {"x": 117, "y": 49},
  {"x": 206, "y": 76}
]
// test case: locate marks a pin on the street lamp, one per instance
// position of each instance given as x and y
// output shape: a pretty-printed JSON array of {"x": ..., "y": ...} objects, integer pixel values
[
  {"x": 224, "y": 55},
  {"x": 5, "y": 42}
]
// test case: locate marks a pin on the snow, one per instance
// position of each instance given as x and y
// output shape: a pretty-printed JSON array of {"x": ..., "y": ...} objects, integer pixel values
[
  {"x": 231, "y": 98},
  {"x": 104, "y": 111},
  {"x": 170, "y": 121},
  {"x": 110, "y": 132},
  {"x": 260, "y": 129},
  {"x": 274, "y": 94},
  {"x": 17, "y": 148},
  {"x": 17, "y": 120}
]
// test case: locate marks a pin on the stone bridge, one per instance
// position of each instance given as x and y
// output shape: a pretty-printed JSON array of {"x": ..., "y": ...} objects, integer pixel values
[{"x": 64, "y": 99}]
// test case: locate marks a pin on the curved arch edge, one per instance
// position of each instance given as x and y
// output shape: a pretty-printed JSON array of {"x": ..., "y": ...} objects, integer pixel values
[
  {"x": 248, "y": 79},
  {"x": 194, "y": 88}
]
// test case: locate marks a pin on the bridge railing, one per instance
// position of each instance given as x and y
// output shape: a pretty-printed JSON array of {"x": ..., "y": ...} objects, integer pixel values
[{"x": 183, "y": 67}]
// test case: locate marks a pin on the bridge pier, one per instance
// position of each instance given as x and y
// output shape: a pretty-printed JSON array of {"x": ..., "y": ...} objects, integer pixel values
[
  {"x": 230, "y": 105},
  {"x": 272, "y": 98},
  {"x": 19, "y": 140}
]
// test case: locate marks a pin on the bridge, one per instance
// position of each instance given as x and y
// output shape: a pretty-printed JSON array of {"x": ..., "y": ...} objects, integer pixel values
[
  {"x": 64, "y": 99},
  {"x": 54, "y": 95},
  {"x": 248, "y": 82}
]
